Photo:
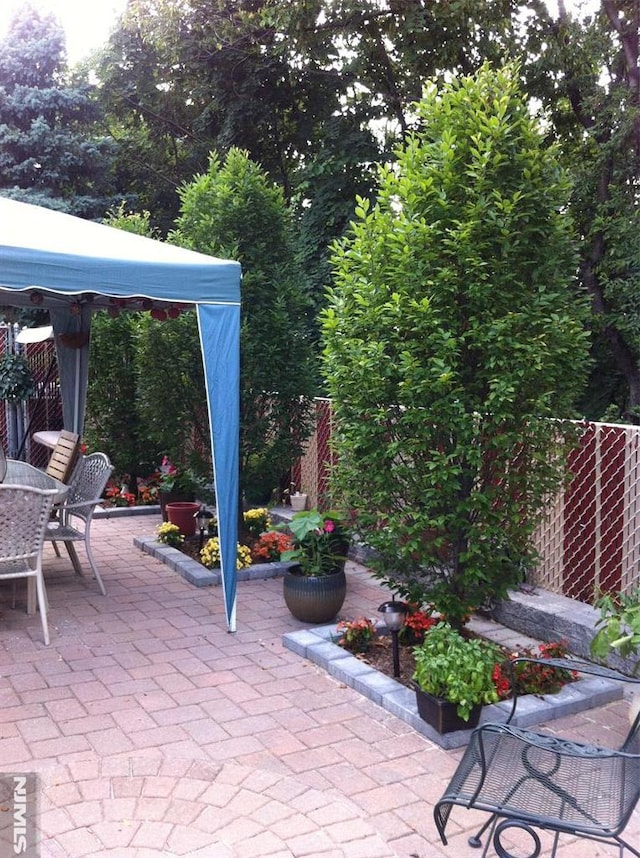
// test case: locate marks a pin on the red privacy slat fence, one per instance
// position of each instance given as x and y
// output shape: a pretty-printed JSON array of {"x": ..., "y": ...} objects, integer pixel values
[
  {"x": 41, "y": 411},
  {"x": 590, "y": 538}
]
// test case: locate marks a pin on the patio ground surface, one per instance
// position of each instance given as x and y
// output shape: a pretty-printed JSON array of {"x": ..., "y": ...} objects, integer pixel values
[{"x": 155, "y": 732}]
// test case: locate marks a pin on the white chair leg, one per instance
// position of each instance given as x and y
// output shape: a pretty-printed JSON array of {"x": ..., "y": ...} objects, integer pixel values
[
  {"x": 94, "y": 567},
  {"x": 73, "y": 554},
  {"x": 42, "y": 606}
]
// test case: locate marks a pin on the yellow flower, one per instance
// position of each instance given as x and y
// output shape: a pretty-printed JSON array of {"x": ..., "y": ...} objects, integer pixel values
[
  {"x": 169, "y": 534},
  {"x": 210, "y": 554},
  {"x": 257, "y": 520}
]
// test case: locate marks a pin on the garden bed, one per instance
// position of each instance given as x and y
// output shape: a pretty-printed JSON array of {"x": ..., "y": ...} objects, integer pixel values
[
  {"x": 318, "y": 645},
  {"x": 195, "y": 573}
]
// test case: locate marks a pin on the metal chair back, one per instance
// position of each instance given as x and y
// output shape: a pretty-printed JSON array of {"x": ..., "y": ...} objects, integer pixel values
[
  {"x": 24, "y": 516},
  {"x": 535, "y": 780},
  {"x": 89, "y": 481}
]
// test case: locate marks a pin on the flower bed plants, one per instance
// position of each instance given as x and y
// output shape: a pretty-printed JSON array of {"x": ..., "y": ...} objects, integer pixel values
[
  {"x": 311, "y": 540},
  {"x": 359, "y": 636}
]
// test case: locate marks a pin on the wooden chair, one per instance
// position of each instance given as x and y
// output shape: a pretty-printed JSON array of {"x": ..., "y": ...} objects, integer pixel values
[
  {"x": 64, "y": 456},
  {"x": 531, "y": 780},
  {"x": 24, "y": 516},
  {"x": 75, "y": 514}
]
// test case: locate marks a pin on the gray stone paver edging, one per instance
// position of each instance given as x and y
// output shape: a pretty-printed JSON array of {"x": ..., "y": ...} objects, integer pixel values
[
  {"x": 317, "y": 646},
  {"x": 197, "y": 574}
]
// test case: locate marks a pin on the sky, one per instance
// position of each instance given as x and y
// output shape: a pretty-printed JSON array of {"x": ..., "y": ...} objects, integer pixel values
[{"x": 87, "y": 23}]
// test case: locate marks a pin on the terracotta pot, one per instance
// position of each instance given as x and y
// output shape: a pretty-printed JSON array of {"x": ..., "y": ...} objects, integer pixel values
[
  {"x": 442, "y": 715},
  {"x": 172, "y": 497},
  {"x": 182, "y": 513},
  {"x": 314, "y": 599}
]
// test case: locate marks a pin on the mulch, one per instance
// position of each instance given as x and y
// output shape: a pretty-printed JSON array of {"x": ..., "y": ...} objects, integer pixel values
[{"x": 380, "y": 656}]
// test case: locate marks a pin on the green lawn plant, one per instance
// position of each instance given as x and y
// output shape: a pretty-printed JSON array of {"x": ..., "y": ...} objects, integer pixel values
[
  {"x": 454, "y": 348},
  {"x": 457, "y": 669}
]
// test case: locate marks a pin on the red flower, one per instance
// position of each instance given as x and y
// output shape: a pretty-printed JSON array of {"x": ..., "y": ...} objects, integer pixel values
[{"x": 329, "y": 526}]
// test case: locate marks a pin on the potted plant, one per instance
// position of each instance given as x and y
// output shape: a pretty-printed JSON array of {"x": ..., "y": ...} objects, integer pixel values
[
  {"x": 175, "y": 485},
  {"x": 315, "y": 588},
  {"x": 454, "y": 678}
]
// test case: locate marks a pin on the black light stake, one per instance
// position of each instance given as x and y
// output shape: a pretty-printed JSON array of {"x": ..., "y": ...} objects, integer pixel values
[
  {"x": 393, "y": 614},
  {"x": 202, "y": 521}
]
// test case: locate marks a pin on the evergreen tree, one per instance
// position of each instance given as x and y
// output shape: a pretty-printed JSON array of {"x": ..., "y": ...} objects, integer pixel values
[
  {"x": 233, "y": 211},
  {"x": 49, "y": 154}
]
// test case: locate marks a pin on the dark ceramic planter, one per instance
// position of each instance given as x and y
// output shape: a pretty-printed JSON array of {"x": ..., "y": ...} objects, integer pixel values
[
  {"x": 314, "y": 600},
  {"x": 442, "y": 715}
]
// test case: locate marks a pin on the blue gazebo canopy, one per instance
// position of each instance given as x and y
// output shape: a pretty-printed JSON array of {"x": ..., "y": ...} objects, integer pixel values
[{"x": 73, "y": 267}]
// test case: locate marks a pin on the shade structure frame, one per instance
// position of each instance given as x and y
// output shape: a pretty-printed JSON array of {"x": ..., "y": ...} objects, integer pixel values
[{"x": 75, "y": 267}]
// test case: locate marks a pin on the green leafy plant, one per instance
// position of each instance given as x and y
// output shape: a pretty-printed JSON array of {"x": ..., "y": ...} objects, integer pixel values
[
  {"x": 356, "y": 635},
  {"x": 456, "y": 669},
  {"x": 16, "y": 381},
  {"x": 256, "y": 230},
  {"x": 453, "y": 343},
  {"x": 320, "y": 541},
  {"x": 177, "y": 479},
  {"x": 618, "y": 628}
]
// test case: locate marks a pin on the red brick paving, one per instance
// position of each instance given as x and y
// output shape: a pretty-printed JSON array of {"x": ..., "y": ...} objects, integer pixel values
[{"x": 158, "y": 733}]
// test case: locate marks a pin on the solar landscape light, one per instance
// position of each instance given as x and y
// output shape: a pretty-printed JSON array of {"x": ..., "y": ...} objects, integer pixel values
[{"x": 393, "y": 614}]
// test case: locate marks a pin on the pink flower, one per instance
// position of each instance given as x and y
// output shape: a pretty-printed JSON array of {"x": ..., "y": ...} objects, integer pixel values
[{"x": 329, "y": 526}]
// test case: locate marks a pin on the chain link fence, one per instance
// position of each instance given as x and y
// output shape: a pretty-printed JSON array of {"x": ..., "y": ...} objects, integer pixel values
[{"x": 590, "y": 538}]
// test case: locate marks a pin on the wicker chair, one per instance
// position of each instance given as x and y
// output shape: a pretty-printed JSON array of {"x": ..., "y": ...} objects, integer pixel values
[
  {"x": 75, "y": 515},
  {"x": 24, "y": 516},
  {"x": 530, "y": 780}
]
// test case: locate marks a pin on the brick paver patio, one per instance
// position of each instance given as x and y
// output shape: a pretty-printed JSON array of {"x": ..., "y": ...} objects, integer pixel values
[{"x": 157, "y": 733}]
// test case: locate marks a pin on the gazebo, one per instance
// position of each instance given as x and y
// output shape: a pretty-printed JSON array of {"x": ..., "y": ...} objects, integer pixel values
[{"x": 73, "y": 267}]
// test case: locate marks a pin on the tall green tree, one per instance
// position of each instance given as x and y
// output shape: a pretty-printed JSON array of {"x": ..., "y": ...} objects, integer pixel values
[
  {"x": 146, "y": 396},
  {"x": 587, "y": 72},
  {"x": 49, "y": 152},
  {"x": 234, "y": 211},
  {"x": 113, "y": 422},
  {"x": 451, "y": 340}
]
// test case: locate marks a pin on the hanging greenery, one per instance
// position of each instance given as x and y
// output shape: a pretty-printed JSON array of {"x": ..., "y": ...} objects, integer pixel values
[{"x": 16, "y": 381}]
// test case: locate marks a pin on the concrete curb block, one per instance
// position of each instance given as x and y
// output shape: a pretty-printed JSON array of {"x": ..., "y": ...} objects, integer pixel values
[
  {"x": 317, "y": 646},
  {"x": 197, "y": 574}
]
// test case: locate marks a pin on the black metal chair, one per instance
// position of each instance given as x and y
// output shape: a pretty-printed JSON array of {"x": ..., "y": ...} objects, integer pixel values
[{"x": 531, "y": 780}]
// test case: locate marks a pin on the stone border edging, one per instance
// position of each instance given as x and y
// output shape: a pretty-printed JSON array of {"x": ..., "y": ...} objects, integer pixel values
[
  {"x": 197, "y": 574},
  {"x": 317, "y": 646}
]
